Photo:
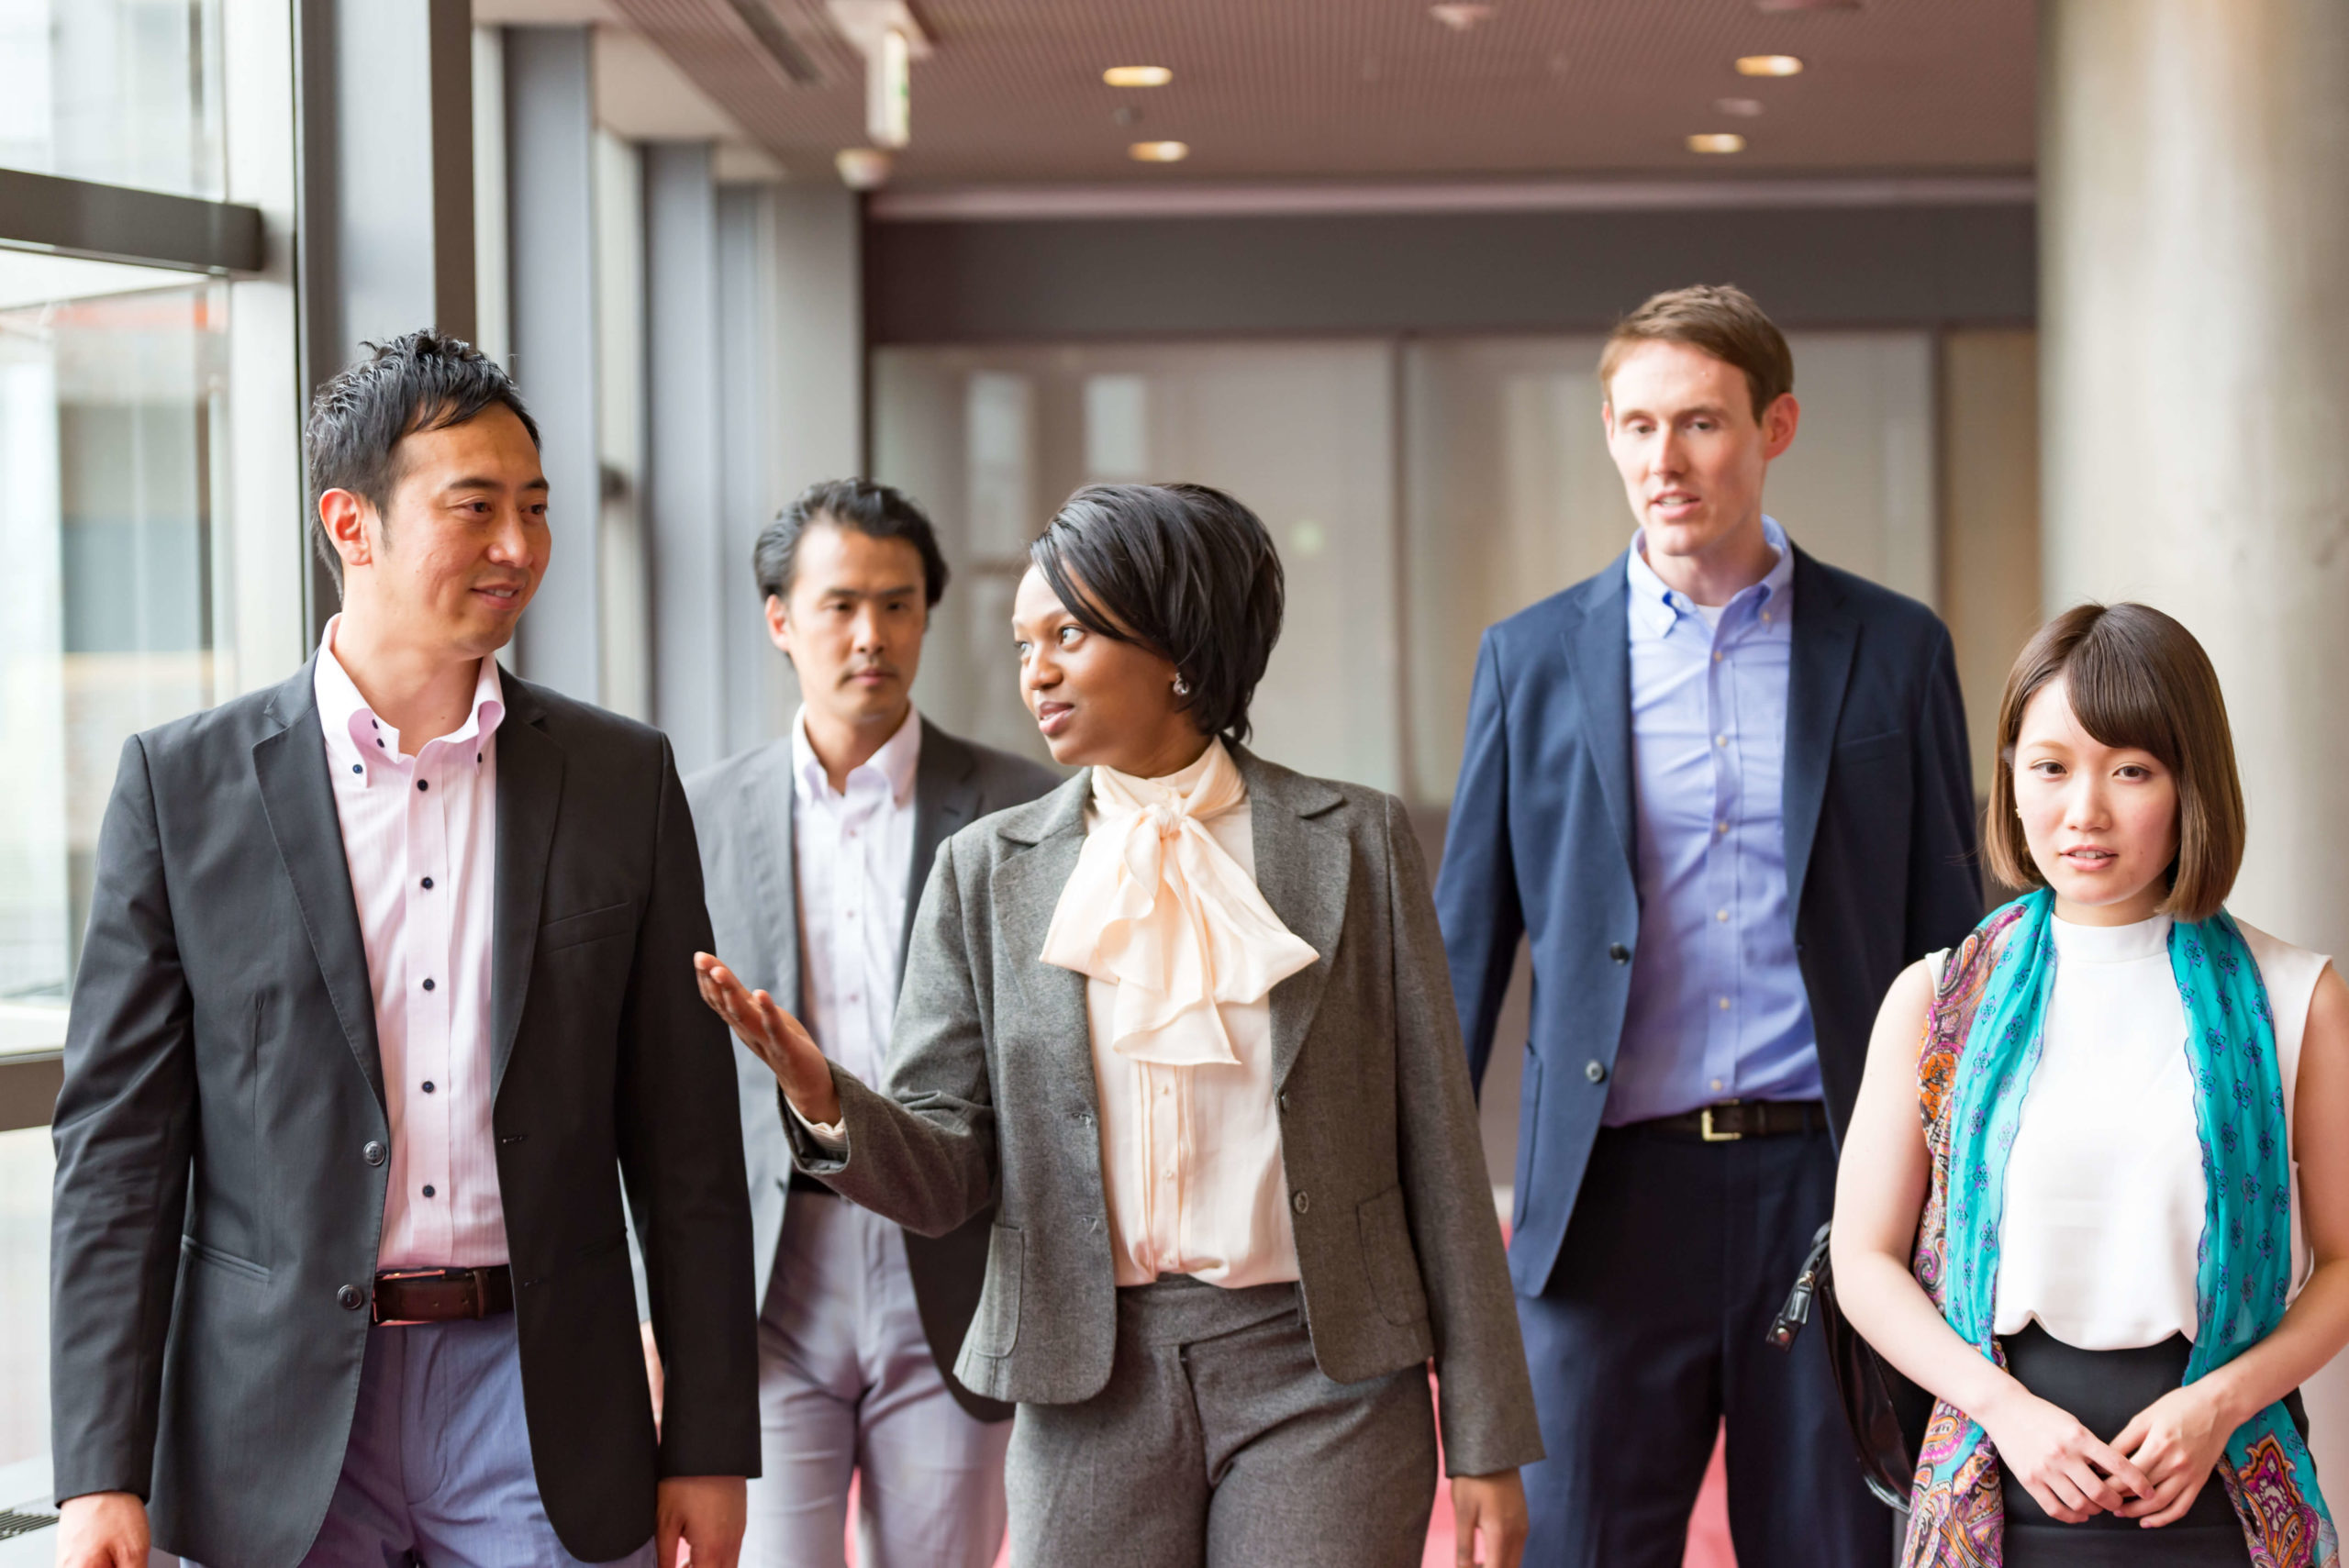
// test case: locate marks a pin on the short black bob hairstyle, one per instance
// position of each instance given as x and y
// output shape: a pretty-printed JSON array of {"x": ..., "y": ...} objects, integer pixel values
[
  {"x": 1182, "y": 569},
  {"x": 418, "y": 381},
  {"x": 861, "y": 506}
]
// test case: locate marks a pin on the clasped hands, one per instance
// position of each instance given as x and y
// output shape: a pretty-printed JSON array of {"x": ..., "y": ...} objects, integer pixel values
[
  {"x": 2151, "y": 1472},
  {"x": 777, "y": 1038}
]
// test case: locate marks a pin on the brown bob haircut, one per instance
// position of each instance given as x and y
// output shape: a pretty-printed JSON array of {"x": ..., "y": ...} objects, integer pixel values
[
  {"x": 1723, "y": 320},
  {"x": 2137, "y": 679}
]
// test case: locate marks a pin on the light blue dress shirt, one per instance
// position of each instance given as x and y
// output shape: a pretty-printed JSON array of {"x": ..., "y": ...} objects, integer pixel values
[{"x": 1718, "y": 1010}]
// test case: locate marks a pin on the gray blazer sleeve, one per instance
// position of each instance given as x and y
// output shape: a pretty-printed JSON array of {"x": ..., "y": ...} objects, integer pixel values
[
  {"x": 921, "y": 1150},
  {"x": 124, "y": 1131},
  {"x": 1487, "y": 1414}
]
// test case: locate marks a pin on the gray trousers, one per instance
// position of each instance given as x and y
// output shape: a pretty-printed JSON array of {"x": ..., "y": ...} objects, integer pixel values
[
  {"x": 1218, "y": 1444},
  {"x": 848, "y": 1385},
  {"x": 438, "y": 1472}
]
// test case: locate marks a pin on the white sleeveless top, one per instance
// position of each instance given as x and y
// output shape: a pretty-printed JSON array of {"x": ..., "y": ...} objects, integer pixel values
[{"x": 2104, "y": 1201}]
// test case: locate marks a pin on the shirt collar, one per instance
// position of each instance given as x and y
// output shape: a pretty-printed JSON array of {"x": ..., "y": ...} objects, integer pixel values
[
  {"x": 356, "y": 737},
  {"x": 1656, "y": 607},
  {"x": 893, "y": 766}
]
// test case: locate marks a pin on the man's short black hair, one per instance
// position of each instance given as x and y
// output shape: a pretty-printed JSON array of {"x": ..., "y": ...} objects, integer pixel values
[
  {"x": 1185, "y": 571},
  {"x": 877, "y": 511},
  {"x": 419, "y": 381}
]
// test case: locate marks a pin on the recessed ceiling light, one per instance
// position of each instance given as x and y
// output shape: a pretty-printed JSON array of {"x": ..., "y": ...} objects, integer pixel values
[
  {"x": 1159, "y": 151},
  {"x": 1459, "y": 14},
  {"x": 1739, "y": 108},
  {"x": 1768, "y": 65},
  {"x": 1138, "y": 76},
  {"x": 1717, "y": 141}
]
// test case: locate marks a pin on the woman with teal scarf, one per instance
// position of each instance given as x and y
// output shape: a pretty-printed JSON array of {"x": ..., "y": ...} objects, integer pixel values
[{"x": 2071, "y": 1204}]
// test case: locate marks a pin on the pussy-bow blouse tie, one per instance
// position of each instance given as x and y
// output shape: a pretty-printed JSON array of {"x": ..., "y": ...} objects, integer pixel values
[{"x": 1158, "y": 908}]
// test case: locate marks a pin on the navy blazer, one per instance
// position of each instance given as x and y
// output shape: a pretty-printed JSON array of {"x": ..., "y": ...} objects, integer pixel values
[{"x": 1879, "y": 834}]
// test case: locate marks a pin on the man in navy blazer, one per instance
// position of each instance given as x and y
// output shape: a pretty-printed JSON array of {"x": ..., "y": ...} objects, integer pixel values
[{"x": 1723, "y": 788}]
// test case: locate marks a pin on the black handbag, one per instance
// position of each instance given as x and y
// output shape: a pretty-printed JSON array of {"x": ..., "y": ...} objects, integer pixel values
[{"x": 1885, "y": 1412}]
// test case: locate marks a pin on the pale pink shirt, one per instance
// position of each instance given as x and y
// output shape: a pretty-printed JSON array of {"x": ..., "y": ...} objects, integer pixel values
[
  {"x": 419, "y": 833},
  {"x": 1191, "y": 1156},
  {"x": 854, "y": 851}
]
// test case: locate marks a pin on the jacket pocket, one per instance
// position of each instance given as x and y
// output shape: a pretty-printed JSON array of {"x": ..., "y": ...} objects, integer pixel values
[
  {"x": 587, "y": 925},
  {"x": 1867, "y": 748},
  {"x": 227, "y": 1261},
  {"x": 995, "y": 1327},
  {"x": 1388, "y": 1258}
]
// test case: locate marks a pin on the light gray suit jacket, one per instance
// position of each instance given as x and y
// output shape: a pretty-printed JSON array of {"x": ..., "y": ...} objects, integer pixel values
[
  {"x": 990, "y": 1088},
  {"x": 743, "y": 816}
]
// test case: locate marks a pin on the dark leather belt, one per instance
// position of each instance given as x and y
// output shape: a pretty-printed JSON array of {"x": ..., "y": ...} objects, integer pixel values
[
  {"x": 1733, "y": 1119},
  {"x": 443, "y": 1295}
]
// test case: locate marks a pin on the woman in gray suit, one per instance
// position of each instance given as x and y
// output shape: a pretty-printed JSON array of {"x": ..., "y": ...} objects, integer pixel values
[{"x": 1189, "y": 1014}]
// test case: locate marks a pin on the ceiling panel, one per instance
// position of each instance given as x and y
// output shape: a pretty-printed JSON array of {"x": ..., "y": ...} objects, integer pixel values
[{"x": 1364, "y": 88}]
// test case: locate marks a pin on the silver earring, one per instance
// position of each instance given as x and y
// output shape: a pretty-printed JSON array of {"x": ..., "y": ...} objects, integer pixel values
[{"x": 1182, "y": 687}]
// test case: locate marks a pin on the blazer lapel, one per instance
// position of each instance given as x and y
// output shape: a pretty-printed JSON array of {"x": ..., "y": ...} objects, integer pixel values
[
  {"x": 529, "y": 794},
  {"x": 1599, "y": 664},
  {"x": 1825, "y": 635},
  {"x": 1302, "y": 866},
  {"x": 946, "y": 797},
  {"x": 1026, "y": 888},
  {"x": 297, "y": 797},
  {"x": 773, "y": 849}
]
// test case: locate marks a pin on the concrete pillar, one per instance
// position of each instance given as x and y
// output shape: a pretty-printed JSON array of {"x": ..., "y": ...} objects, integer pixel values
[
  {"x": 550, "y": 315},
  {"x": 2194, "y": 179}
]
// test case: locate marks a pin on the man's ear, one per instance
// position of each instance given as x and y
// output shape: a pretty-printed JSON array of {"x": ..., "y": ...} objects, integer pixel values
[
  {"x": 1779, "y": 422},
  {"x": 779, "y": 623},
  {"x": 345, "y": 515}
]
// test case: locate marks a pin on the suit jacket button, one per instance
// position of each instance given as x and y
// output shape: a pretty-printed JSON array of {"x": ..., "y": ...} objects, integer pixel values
[
  {"x": 1281, "y": 1099},
  {"x": 1595, "y": 1071},
  {"x": 373, "y": 1153},
  {"x": 351, "y": 1298},
  {"x": 1619, "y": 953},
  {"x": 1300, "y": 1203}
]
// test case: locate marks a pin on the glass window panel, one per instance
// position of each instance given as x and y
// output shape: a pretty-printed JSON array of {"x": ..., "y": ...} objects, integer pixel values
[
  {"x": 27, "y": 1170},
  {"x": 127, "y": 92},
  {"x": 990, "y": 440},
  {"x": 111, "y": 436}
]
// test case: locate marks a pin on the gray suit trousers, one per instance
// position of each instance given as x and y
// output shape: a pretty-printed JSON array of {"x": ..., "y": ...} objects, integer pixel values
[{"x": 1218, "y": 1444}]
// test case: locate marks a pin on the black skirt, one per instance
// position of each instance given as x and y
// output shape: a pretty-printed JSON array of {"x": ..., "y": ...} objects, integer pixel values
[{"x": 2106, "y": 1389}]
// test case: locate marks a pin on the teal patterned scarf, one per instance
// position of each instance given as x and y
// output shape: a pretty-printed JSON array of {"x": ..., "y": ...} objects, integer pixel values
[{"x": 1982, "y": 1044}]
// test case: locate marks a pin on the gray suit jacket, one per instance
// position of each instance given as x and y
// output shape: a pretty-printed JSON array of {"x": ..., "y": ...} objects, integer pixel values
[
  {"x": 991, "y": 1084},
  {"x": 221, "y": 1133},
  {"x": 742, "y": 815}
]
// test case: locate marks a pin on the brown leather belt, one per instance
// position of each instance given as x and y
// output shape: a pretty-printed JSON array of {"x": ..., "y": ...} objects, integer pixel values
[
  {"x": 443, "y": 1295},
  {"x": 1733, "y": 1119}
]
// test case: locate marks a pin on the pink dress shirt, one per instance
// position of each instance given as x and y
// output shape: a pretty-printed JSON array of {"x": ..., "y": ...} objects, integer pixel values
[
  {"x": 419, "y": 834},
  {"x": 853, "y": 850}
]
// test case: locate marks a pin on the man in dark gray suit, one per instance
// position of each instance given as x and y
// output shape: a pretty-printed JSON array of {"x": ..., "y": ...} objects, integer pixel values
[
  {"x": 387, "y": 990},
  {"x": 816, "y": 847}
]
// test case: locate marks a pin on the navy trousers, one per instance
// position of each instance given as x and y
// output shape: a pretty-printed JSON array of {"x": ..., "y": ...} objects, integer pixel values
[{"x": 1651, "y": 1335}]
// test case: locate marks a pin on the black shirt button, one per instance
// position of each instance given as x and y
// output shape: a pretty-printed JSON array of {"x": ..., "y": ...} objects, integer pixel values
[
  {"x": 428, "y": 986},
  {"x": 1619, "y": 953},
  {"x": 357, "y": 768},
  {"x": 1595, "y": 1071},
  {"x": 373, "y": 1153},
  {"x": 428, "y": 885},
  {"x": 351, "y": 1298},
  {"x": 427, "y": 1085},
  {"x": 424, "y": 784},
  {"x": 428, "y": 1189}
]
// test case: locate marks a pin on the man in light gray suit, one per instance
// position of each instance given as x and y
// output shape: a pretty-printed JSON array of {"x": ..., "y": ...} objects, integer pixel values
[{"x": 815, "y": 849}]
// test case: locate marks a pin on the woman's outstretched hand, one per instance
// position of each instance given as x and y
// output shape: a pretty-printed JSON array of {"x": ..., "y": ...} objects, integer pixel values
[
  {"x": 2177, "y": 1440},
  {"x": 776, "y": 1036},
  {"x": 2070, "y": 1474}
]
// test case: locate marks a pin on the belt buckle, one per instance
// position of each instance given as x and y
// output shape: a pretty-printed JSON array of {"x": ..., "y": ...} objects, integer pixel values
[
  {"x": 469, "y": 1278},
  {"x": 1705, "y": 1127}
]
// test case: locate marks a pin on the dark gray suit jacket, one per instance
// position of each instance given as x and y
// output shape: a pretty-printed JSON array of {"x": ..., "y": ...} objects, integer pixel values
[
  {"x": 742, "y": 813},
  {"x": 217, "y": 1209},
  {"x": 991, "y": 1083}
]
